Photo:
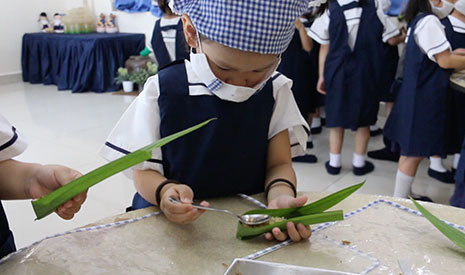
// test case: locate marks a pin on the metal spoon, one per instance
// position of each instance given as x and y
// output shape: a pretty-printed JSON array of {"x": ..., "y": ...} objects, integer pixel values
[{"x": 254, "y": 219}]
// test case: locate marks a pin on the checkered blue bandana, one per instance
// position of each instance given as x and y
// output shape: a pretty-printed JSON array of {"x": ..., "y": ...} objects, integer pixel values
[{"x": 262, "y": 26}]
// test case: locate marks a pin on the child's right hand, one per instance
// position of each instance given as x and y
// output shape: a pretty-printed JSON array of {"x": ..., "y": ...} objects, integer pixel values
[
  {"x": 180, "y": 213},
  {"x": 320, "y": 87}
]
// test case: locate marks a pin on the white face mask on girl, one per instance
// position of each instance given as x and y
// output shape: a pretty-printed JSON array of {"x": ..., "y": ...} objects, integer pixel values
[
  {"x": 444, "y": 11},
  {"x": 218, "y": 87}
]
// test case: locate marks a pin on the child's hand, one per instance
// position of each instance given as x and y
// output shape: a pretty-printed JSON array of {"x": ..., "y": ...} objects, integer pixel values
[
  {"x": 321, "y": 85},
  {"x": 459, "y": 51},
  {"x": 180, "y": 213},
  {"x": 50, "y": 177},
  {"x": 295, "y": 233}
]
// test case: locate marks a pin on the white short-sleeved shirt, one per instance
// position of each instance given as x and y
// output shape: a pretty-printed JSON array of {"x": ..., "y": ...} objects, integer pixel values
[
  {"x": 140, "y": 124},
  {"x": 11, "y": 143},
  {"x": 430, "y": 36},
  {"x": 320, "y": 28},
  {"x": 457, "y": 24},
  {"x": 169, "y": 36}
]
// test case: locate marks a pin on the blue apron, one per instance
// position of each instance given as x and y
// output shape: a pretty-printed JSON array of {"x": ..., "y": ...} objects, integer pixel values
[
  {"x": 352, "y": 98},
  {"x": 296, "y": 65},
  {"x": 455, "y": 99},
  {"x": 458, "y": 199},
  {"x": 159, "y": 46},
  {"x": 7, "y": 243},
  {"x": 417, "y": 121},
  {"x": 224, "y": 158}
]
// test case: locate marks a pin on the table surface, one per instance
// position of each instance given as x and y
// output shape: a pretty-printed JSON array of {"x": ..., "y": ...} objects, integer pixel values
[{"x": 209, "y": 245}]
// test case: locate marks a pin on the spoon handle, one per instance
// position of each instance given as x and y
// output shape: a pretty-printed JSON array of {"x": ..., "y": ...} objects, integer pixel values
[{"x": 204, "y": 207}]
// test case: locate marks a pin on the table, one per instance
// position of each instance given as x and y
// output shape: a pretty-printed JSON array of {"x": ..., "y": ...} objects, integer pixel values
[
  {"x": 144, "y": 242},
  {"x": 77, "y": 62},
  {"x": 457, "y": 81}
]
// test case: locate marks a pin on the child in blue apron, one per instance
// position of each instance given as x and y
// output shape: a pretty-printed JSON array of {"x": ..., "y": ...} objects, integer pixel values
[
  {"x": 231, "y": 76},
  {"x": 351, "y": 34},
  {"x": 458, "y": 198},
  {"x": 418, "y": 120},
  {"x": 21, "y": 180},
  {"x": 455, "y": 32},
  {"x": 168, "y": 41},
  {"x": 296, "y": 65}
]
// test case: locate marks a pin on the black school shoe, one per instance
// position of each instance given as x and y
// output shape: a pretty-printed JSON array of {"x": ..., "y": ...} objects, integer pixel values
[
  {"x": 446, "y": 177},
  {"x": 309, "y": 144},
  {"x": 367, "y": 168},
  {"x": 376, "y": 132},
  {"x": 384, "y": 154},
  {"x": 331, "y": 169},
  {"x": 306, "y": 158},
  {"x": 421, "y": 198}
]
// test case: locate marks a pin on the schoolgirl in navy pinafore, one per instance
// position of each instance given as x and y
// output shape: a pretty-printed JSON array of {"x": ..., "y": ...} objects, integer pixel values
[
  {"x": 458, "y": 199},
  {"x": 455, "y": 99},
  {"x": 159, "y": 46},
  {"x": 417, "y": 121},
  {"x": 351, "y": 76},
  {"x": 224, "y": 158},
  {"x": 296, "y": 64}
]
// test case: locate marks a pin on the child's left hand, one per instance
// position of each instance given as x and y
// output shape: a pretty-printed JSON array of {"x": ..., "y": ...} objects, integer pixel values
[
  {"x": 47, "y": 178},
  {"x": 295, "y": 233}
]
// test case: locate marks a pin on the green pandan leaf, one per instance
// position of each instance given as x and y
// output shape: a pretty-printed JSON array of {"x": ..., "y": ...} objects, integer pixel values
[
  {"x": 49, "y": 203},
  {"x": 455, "y": 235},
  {"x": 246, "y": 232},
  {"x": 312, "y": 208}
]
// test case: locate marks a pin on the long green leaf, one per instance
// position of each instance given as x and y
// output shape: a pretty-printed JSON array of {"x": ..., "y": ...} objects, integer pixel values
[
  {"x": 318, "y": 206},
  {"x": 455, "y": 235},
  {"x": 49, "y": 203},
  {"x": 247, "y": 232}
]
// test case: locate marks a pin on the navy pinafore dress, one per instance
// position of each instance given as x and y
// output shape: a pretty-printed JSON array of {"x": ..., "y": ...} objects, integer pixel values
[
  {"x": 159, "y": 46},
  {"x": 7, "y": 243},
  {"x": 388, "y": 71},
  {"x": 352, "y": 98},
  {"x": 455, "y": 99},
  {"x": 417, "y": 121},
  {"x": 458, "y": 198},
  {"x": 296, "y": 65},
  {"x": 224, "y": 158}
]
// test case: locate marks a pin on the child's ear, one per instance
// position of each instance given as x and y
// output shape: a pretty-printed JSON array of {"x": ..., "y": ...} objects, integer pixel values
[{"x": 189, "y": 31}]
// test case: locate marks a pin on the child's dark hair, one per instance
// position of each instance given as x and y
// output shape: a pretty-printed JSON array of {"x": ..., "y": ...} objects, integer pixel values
[
  {"x": 165, "y": 8},
  {"x": 415, "y": 7},
  {"x": 323, "y": 7},
  {"x": 43, "y": 14}
]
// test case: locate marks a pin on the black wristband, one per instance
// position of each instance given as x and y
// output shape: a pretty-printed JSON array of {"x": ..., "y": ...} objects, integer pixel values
[
  {"x": 158, "y": 191},
  {"x": 268, "y": 187}
]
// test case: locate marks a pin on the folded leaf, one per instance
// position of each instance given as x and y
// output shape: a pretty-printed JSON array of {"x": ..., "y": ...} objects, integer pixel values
[
  {"x": 247, "y": 232},
  {"x": 455, "y": 235},
  {"x": 49, "y": 203},
  {"x": 318, "y": 206}
]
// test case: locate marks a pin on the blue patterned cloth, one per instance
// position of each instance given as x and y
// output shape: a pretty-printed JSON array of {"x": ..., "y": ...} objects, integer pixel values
[{"x": 262, "y": 26}]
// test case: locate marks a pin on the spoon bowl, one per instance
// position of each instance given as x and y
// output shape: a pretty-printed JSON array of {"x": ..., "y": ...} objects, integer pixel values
[{"x": 255, "y": 219}]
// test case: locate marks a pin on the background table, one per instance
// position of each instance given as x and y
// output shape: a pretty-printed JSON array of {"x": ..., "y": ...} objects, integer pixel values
[
  {"x": 145, "y": 242},
  {"x": 78, "y": 62}
]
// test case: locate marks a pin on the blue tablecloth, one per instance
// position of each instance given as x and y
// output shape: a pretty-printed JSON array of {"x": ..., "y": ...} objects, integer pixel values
[{"x": 78, "y": 62}]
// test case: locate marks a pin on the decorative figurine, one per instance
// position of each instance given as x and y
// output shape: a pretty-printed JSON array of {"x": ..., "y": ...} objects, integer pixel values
[
  {"x": 58, "y": 26},
  {"x": 111, "y": 24},
  {"x": 101, "y": 23},
  {"x": 44, "y": 23}
]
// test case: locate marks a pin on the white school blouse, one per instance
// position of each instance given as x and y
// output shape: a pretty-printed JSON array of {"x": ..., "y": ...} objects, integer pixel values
[
  {"x": 320, "y": 28},
  {"x": 430, "y": 36},
  {"x": 140, "y": 124},
  {"x": 11, "y": 143}
]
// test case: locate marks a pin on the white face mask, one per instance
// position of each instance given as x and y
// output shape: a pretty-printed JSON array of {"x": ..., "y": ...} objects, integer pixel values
[
  {"x": 221, "y": 89},
  {"x": 444, "y": 11}
]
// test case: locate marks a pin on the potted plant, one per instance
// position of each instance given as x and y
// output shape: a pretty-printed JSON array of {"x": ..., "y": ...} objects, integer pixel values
[
  {"x": 140, "y": 77},
  {"x": 125, "y": 78}
]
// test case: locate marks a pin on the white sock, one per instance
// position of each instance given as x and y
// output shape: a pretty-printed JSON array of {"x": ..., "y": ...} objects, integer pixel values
[
  {"x": 436, "y": 164},
  {"x": 335, "y": 160},
  {"x": 316, "y": 122},
  {"x": 374, "y": 127},
  {"x": 403, "y": 185},
  {"x": 310, "y": 138},
  {"x": 358, "y": 160},
  {"x": 456, "y": 161}
]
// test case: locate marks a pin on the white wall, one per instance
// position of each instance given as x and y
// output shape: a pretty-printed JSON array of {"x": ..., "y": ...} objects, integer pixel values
[{"x": 20, "y": 16}]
